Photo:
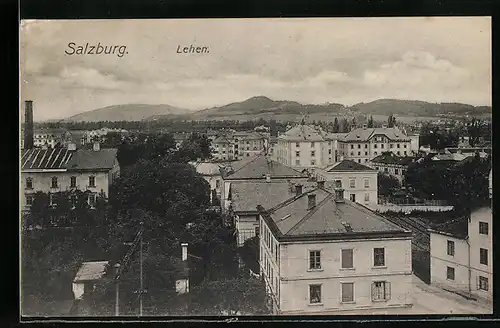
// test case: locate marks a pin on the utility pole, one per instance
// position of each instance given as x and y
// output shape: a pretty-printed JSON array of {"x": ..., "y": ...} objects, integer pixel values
[
  {"x": 117, "y": 286},
  {"x": 142, "y": 290}
]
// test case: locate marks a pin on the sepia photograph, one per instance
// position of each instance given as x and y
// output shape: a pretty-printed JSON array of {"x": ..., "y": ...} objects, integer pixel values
[{"x": 255, "y": 167}]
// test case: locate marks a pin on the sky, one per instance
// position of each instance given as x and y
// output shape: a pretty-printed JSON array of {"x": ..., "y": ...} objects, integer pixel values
[{"x": 309, "y": 60}]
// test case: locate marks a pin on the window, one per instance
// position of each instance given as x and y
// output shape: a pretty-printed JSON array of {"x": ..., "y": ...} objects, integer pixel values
[
  {"x": 352, "y": 197},
  {"x": 329, "y": 151},
  {"x": 314, "y": 294},
  {"x": 29, "y": 183},
  {"x": 257, "y": 231},
  {"x": 483, "y": 283},
  {"x": 366, "y": 146},
  {"x": 483, "y": 256},
  {"x": 366, "y": 153},
  {"x": 359, "y": 146},
  {"x": 54, "y": 182},
  {"x": 367, "y": 183},
  {"x": 367, "y": 197},
  {"x": 297, "y": 162},
  {"x": 483, "y": 228},
  {"x": 359, "y": 160},
  {"x": 315, "y": 260},
  {"x": 386, "y": 169},
  {"x": 396, "y": 171},
  {"x": 352, "y": 153},
  {"x": 313, "y": 153},
  {"x": 352, "y": 183},
  {"x": 375, "y": 153},
  {"x": 405, "y": 153},
  {"x": 72, "y": 182},
  {"x": 312, "y": 144},
  {"x": 451, "y": 248},
  {"x": 382, "y": 146},
  {"x": 399, "y": 153},
  {"x": 381, "y": 291},
  {"x": 217, "y": 183},
  {"x": 92, "y": 200},
  {"x": 347, "y": 259},
  {"x": 347, "y": 292},
  {"x": 313, "y": 162},
  {"x": 276, "y": 252},
  {"x": 352, "y": 146},
  {"x": 297, "y": 153},
  {"x": 450, "y": 273},
  {"x": 338, "y": 183},
  {"x": 297, "y": 144},
  {"x": 379, "y": 257},
  {"x": 375, "y": 146},
  {"x": 29, "y": 200},
  {"x": 359, "y": 153}
]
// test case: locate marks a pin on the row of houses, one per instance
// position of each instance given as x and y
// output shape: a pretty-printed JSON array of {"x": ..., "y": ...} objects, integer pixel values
[{"x": 237, "y": 145}]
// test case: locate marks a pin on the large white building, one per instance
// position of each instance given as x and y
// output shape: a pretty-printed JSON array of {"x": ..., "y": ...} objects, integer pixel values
[
  {"x": 305, "y": 146},
  {"x": 363, "y": 144},
  {"x": 63, "y": 169},
  {"x": 359, "y": 181},
  {"x": 322, "y": 254}
]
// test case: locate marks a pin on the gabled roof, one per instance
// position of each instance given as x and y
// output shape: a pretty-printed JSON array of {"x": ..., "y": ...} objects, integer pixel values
[
  {"x": 362, "y": 134},
  {"x": 90, "y": 271},
  {"x": 207, "y": 168},
  {"x": 247, "y": 195},
  {"x": 64, "y": 159},
  {"x": 457, "y": 228},
  {"x": 391, "y": 158},
  {"x": 293, "y": 218},
  {"x": 348, "y": 165},
  {"x": 302, "y": 133},
  {"x": 257, "y": 168}
]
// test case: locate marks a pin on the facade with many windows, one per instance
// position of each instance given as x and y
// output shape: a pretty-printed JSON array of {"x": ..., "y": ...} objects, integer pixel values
[
  {"x": 363, "y": 144},
  {"x": 322, "y": 254},
  {"x": 62, "y": 169},
  {"x": 359, "y": 181},
  {"x": 462, "y": 255},
  {"x": 306, "y": 146},
  {"x": 392, "y": 164}
]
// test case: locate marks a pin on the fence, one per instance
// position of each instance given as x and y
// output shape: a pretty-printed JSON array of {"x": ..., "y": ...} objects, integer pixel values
[
  {"x": 410, "y": 208},
  {"x": 411, "y": 201}
]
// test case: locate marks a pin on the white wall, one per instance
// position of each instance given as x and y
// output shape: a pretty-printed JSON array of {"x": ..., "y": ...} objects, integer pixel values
[
  {"x": 291, "y": 265},
  {"x": 182, "y": 286},
  {"x": 245, "y": 226},
  {"x": 78, "y": 290},
  {"x": 359, "y": 189}
]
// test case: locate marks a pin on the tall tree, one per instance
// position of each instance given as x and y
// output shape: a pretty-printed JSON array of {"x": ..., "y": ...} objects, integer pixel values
[
  {"x": 387, "y": 184},
  {"x": 336, "y": 126},
  {"x": 391, "y": 121},
  {"x": 346, "y": 127},
  {"x": 370, "y": 122},
  {"x": 474, "y": 131}
]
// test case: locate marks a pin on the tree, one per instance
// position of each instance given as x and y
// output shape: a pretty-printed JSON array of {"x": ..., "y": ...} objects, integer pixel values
[
  {"x": 370, "y": 122},
  {"x": 345, "y": 126},
  {"x": 387, "y": 184},
  {"x": 250, "y": 254},
  {"x": 391, "y": 121},
  {"x": 273, "y": 130},
  {"x": 474, "y": 131},
  {"x": 353, "y": 123},
  {"x": 194, "y": 148},
  {"x": 242, "y": 295},
  {"x": 336, "y": 126}
]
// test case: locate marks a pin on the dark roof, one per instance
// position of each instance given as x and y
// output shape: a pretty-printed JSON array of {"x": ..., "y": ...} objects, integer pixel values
[
  {"x": 457, "y": 228},
  {"x": 247, "y": 195},
  {"x": 293, "y": 218},
  {"x": 391, "y": 158},
  {"x": 62, "y": 158},
  {"x": 257, "y": 168},
  {"x": 348, "y": 165},
  {"x": 93, "y": 160}
]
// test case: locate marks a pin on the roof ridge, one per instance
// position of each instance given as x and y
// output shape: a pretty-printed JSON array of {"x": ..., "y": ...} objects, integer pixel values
[{"x": 310, "y": 213}]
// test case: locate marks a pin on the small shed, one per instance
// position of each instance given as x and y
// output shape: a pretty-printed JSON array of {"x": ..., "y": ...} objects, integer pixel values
[{"x": 87, "y": 276}]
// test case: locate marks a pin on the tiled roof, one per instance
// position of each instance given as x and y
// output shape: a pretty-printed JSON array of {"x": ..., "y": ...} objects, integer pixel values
[
  {"x": 36, "y": 158},
  {"x": 348, "y": 165},
  {"x": 248, "y": 135},
  {"x": 62, "y": 158},
  {"x": 247, "y": 195},
  {"x": 391, "y": 158},
  {"x": 335, "y": 136},
  {"x": 91, "y": 271},
  {"x": 302, "y": 133},
  {"x": 93, "y": 160},
  {"x": 258, "y": 166},
  {"x": 457, "y": 228},
  {"x": 294, "y": 218},
  {"x": 363, "y": 134}
]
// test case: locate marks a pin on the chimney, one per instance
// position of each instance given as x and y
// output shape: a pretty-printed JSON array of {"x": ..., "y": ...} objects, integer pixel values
[
  {"x": 384, "y": 126},
  {"x": 321, "y": 184},
  {"x": 184, "y": 251},
  {"x": 28, "y": 124},
  {"x": 311, "y": 201},
  {"x": 365, "y": 126},
  {"x": 72, "y": 146},
  {"x": 339, "y": 195},
  {"x": 298, "y": 190},
  {"x": 268, "y": 177},
  {"x": 97, "y": 146}
]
